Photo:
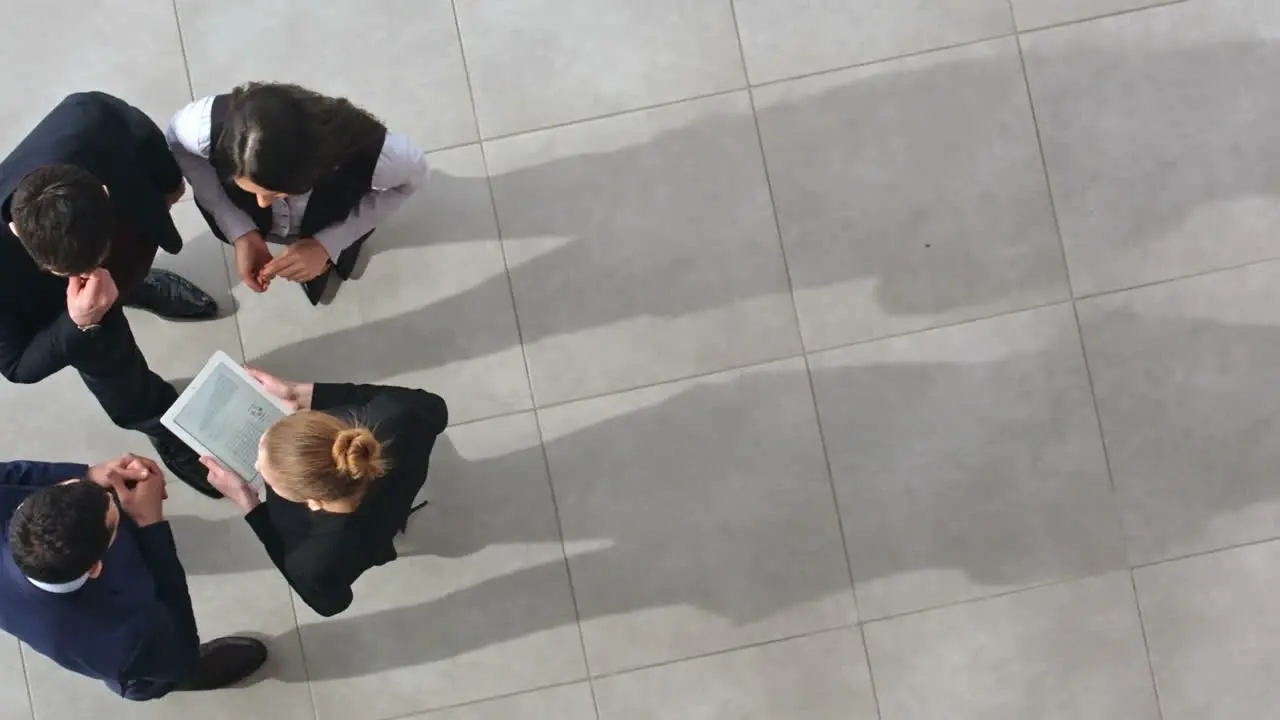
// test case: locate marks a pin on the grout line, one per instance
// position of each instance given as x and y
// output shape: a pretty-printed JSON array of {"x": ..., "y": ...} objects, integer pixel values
[
  {"x": 1116, "y": 505},
  {"x": 808, "y": 370},
  {"x": 726, "y": 651},
  {"x": 302, "y": 652},
  {"x": 182, "y": 45},
  {"x": 1146, "y": 646},
  {"x": 1104, "y": 16},
  {"x": 26, "y": 679},
  {"x": 776, "y": 81},
  {"x": 1203, "y": 553},
  {"x": 524, "y": 356},
  {"x": 1188, "y": 276},
  {"x": 417, "y": 714}
]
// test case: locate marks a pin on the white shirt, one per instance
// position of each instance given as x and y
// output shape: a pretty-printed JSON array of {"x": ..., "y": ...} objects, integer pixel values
[{"x": 401, "y": 169}]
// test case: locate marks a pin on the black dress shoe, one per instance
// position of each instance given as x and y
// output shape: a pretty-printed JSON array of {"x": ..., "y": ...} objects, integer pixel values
[
  {"x": 185, "y": 465},
  {"x": 226, "y": 661},
  {"x": 172, "y": 296}
]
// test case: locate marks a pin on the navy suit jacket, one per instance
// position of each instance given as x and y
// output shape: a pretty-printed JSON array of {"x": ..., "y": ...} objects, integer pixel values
[
  {"x": 124, "y": 149},
  {"x": 132, "y": 627}
]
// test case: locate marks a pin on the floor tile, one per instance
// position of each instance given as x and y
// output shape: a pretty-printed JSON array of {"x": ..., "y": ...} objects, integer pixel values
[
  {"x": 13, "y": 681},
  {"x": 642, "y": 248},
  {"x": 433, "y": 301},
  {"x": 967, "y": 461},
  {"x": 783, "y": 39},
  {"x": 400, "y": 59},
  {"x": 1031, "y": 14},
  {"x": 819, "y": 677},
  {"x": 569, "y": 702},
  {"x": 1184, "y": 375},
  {"x": 911, "y": 194},
  {"x": 714, "y": 517},
  {"x": 1158, "y": 134},
  {"x": 1212, "y": 624},
  {"x": 129, "y": 48},
  {"x": 535, "y": 63},
  {"x": 175, "y": 350},
  {"x": 478, "y": 604},
  {"x": 1061, "y": 652},
  {"x": 243, "y": 595}
]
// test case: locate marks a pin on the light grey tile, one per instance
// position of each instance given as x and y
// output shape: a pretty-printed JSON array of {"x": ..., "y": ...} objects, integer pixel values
[
  {"x": 1061, "y": 652},
  {"x": 535, "y": 63},
  {"x": 478, "y": 605},
  {"x": 283, "y": 333},
  {"x": 642, "y": 248},
  {"x": 782, "y": 38},
  {"x": 819, "y": 677},
  {"x": 710, "y": 506},
  {"x": 1040, "y": 13},
  {"x": 911, "y": 194},
  {"x": 14, "y": 703},
  {"x": 244, "y": 596},
  {"x": 175, "y": 350},
  {"x": 569, "y": 702},
  {"x": 1212, "y": 624},
  {"x": 433, "y": 303},
  {"x": 400, "y": 59},
  {"x": 129, "y": 48},
  {"x": 1184, "y": 374},
  {"x": 967, "y": 461},
  {"x": 1158, "y": 134}
]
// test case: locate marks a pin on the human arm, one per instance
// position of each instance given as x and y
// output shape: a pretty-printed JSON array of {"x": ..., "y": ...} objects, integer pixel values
[
  {"x": 302, "y": 567},
  {"x": 188, "y": 137},
  {"x": 400, "y": 171},
  {"x": 147, "y": 144},
  {"x": 28, "y": 357},
  {"x": 432, "y": 407},
  {"x": 169, "y": 647},
  {"x": 33, "y": 474}
]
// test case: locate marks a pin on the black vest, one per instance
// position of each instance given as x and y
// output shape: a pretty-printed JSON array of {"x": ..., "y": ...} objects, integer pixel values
[{"x": 332, "y": 199}]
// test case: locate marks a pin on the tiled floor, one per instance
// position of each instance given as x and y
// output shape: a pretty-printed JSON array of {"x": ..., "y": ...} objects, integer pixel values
[{"x": 840, "y": 359}]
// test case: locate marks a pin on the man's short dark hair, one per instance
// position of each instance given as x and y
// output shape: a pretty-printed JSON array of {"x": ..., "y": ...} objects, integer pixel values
[
  {"x": 59, "y": 533},
  {"x": 64, "y": 218}
]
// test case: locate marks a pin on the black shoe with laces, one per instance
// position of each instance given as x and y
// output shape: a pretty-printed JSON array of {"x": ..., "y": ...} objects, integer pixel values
[
  {"x": 226, "y": 661},
  {"x": 185, "y": 465},
  {"x": 172, "y": 296}
]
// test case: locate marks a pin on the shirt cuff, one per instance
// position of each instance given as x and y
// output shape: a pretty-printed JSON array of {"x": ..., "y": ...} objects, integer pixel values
[
  {"x": 334, "y": 241},
  {"x": 235, "y": 224}
]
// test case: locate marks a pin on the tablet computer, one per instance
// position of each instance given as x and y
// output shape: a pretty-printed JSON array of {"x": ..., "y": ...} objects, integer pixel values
[{"x": 223, "y": 413}]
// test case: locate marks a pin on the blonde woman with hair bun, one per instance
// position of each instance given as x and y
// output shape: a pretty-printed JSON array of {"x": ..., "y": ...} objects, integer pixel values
[{"x": 341, "y": 473}]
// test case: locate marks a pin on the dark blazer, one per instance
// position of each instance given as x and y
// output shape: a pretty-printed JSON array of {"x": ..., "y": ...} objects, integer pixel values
[
  {"x": 132, "y": 627},
  {"x": 124, "y": 149},
  {"x": 321, "y": 554}
]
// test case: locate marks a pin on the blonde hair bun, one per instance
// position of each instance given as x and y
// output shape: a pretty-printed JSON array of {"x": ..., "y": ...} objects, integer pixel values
[{"x": 358, "y": 454}]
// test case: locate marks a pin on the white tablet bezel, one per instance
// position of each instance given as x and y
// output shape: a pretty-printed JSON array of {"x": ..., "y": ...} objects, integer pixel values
[{"x": 219, "y": 359}]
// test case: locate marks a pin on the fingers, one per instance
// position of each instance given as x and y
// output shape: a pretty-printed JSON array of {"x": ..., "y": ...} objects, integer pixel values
[
  {"x": 261, "y": 377},
  {"x": 212, "y": 465},
  {"x": 251, "y": 280},
  {"x": 287, "y": 264}
]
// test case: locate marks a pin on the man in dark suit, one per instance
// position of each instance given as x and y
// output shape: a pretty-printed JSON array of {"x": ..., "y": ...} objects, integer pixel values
[
  {"x": 89, "y": 577},
  {"x": 85, "y": 200}
]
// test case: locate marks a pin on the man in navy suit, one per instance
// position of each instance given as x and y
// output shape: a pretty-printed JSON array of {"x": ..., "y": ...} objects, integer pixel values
[{"x": 89, "y": 577}]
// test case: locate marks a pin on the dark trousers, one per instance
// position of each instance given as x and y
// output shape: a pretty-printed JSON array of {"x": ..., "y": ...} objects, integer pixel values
[{"x": 114, "y": 370}]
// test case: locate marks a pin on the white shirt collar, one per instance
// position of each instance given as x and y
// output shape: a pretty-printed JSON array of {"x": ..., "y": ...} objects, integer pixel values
[{"x": 61, "y": 588}]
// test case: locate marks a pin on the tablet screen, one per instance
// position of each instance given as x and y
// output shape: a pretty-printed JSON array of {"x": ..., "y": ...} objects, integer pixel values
[{"x": 228, "y": 416}]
